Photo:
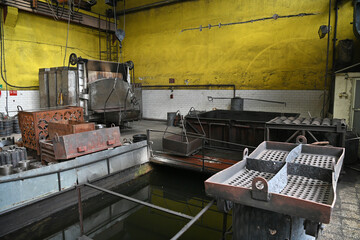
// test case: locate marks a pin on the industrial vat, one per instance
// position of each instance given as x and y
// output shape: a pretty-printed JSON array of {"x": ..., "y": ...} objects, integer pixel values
[{"x": 240, "y": 127}]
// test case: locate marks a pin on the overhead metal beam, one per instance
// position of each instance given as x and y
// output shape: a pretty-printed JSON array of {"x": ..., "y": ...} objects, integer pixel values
[{"x": 76, "y": 17}]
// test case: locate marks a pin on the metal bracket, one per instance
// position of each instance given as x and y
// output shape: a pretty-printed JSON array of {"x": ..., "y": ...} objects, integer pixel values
[
  {"x": 301, "y": 139},
  {"x": 260, "y": 189},
  {"x": 224, "y": 205},
  {"x": 245, "y": 153},
  {"x": 312, "y": 228}
]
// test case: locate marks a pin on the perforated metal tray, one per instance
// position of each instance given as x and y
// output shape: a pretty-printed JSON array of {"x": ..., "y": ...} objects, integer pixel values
[{"x": 298, "y": 180}]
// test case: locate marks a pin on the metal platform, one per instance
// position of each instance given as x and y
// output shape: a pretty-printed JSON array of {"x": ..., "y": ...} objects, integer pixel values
[{"x": 298, "y": 180}]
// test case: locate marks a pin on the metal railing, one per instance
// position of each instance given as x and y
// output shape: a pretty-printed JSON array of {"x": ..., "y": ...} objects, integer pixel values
[{"x": 169, "y": 211}]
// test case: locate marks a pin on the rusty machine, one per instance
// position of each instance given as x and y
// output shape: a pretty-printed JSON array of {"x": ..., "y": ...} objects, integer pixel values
[{"x": 105, "y": 90}]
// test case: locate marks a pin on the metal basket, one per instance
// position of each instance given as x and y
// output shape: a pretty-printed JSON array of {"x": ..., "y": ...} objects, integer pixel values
[{"x": 182, "y": 144}]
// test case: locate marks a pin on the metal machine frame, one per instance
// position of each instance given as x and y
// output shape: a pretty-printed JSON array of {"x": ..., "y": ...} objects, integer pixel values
[{"x": 103, "y": 89}]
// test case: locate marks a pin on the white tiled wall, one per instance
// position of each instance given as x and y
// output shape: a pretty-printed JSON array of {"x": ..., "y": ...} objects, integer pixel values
[
  {"x": 29, "y": 99},
  {"x": 156, "y": 103}
]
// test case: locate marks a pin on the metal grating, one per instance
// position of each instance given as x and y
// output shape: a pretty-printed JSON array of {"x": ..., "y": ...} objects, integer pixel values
[
  {"x": 273, "y": 155},
  {"x": 304, "y": 187},
  {"x": 308, "y": 189},
  {"x": 245, "y": 176},
  {"x": 323, "y": 161}
]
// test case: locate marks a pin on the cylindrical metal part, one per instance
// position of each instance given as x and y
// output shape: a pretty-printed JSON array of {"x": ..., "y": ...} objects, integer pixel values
[
  {"x": 326, "y": 122},
  {"x": 18, "y": 154},
  {"x": 24, "y": 164},
  {"x": 85, "y": 84},
  {"x": 170, "y": 118},
  {"x": 291, "y": 118},
  {"x": 237, "y": 104},
  {"x": 8, "y": 127},
  {"x": 14, "y": 157},
  {"x": 316, "y": 121},
  {"x": 7, "y": 158},
  {"x": 2, "y": 158},
  {"x": 6, "y": 169},
  {"x": 16, "y": 127},
  {"x": 25, "y": 153},
  {"x": 100, "y": 126},
  {"x": 19, "y": 169},
  {"x": 84, "y": 88},
  {"x": 22, "y": 153},
  {"x": 298, "y": 120},
  {"x": 278, "y": 121},
  {"x": 307, "y": 121},
  {"x": 139, "y": 137},
  {"x": 35, "y": 165}
]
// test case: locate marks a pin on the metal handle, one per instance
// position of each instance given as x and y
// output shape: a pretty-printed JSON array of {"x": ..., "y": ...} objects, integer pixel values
[
  {"x": 245, "y": 153},
  {"x": 192, "y": 109},
  {"x": 110, "y": 142},
  {"x": 81, "y": 149}
]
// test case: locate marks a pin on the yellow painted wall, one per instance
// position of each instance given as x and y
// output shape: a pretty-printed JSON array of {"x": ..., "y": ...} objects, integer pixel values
[
  {"x": 35, "y": 42},
  {"x": 275, "y": 54}
]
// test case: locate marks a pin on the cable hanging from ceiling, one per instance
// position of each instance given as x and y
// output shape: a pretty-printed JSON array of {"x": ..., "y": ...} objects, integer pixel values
[{"x": 68, "y": 27}]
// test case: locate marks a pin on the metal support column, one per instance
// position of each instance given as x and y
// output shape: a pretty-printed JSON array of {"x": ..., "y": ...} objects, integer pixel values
[{"x": 80, "y": 211}]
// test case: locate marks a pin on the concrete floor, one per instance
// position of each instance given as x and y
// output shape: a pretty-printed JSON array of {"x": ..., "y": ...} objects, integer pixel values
[
  {"x": 345, "y": 220},
  {"x": 140, "y": 127}
]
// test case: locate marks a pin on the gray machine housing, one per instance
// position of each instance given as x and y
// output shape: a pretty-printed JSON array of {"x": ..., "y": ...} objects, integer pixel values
[{"x": 104, "y": 89}]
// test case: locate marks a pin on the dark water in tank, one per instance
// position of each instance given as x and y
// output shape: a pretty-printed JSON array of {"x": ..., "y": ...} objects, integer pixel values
[{"x": 108, "y": 217}]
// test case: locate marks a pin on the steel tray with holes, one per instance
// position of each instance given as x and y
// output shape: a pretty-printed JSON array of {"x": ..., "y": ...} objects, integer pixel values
[{"x": 298, "y": 180}]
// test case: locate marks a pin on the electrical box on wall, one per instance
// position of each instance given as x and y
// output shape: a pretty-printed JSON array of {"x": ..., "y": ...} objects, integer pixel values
[{"x": 347, "y": 99}]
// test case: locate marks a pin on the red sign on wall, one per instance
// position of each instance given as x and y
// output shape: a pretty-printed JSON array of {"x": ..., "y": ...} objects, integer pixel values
[{"x": 13, "y": 92}]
